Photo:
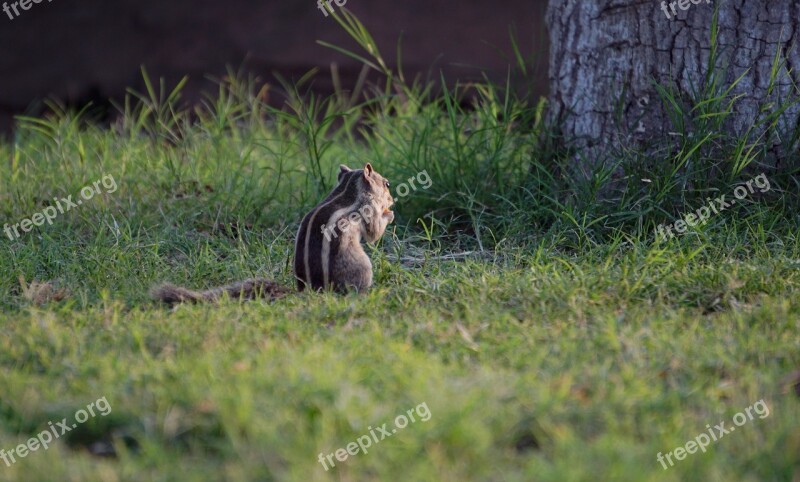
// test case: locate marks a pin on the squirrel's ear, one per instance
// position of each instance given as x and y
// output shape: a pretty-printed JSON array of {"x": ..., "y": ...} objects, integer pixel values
[
  {"x": 368, "y": 170},
  {"x": 342, "y": 171}
]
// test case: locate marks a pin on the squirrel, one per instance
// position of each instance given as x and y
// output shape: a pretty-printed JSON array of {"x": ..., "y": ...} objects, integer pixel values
[{"x": 328, "y": 252}]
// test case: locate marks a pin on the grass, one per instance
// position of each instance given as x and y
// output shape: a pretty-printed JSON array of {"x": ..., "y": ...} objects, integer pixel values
[{"x": 532, "y": 312}]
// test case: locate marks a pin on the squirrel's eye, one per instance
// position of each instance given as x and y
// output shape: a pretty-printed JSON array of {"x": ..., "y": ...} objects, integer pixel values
[{"x": 386, "y": 183}]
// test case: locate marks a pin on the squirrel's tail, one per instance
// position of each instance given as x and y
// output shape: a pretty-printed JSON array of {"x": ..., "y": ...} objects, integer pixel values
[{"x": 249, "y": 289}]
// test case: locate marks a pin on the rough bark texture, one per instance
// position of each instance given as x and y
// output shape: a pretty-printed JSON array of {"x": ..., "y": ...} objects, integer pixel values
[{"x": 600, "y": 47}]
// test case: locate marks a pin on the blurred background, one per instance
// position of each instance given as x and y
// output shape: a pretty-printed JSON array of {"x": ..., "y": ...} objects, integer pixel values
[{"x": 93, "y": 50}]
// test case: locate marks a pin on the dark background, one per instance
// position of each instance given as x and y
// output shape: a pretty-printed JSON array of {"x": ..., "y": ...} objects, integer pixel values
[{"x": 92, "y": 50}]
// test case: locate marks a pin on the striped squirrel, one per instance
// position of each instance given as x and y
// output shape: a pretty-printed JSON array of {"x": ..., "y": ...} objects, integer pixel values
[{"x": 328, "y": 252}]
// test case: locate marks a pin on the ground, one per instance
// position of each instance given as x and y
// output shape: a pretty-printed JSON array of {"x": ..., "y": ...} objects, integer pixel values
[{"x": 533, "y": 329}]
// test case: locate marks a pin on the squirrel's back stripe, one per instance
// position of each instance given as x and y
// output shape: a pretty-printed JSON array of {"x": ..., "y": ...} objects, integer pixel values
[
  {"x": 311, "y": 240},
  {"x": 332, "y": 245}
]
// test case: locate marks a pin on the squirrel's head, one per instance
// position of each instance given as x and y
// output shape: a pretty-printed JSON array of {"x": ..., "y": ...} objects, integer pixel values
[{"x": 373, "y": 185}]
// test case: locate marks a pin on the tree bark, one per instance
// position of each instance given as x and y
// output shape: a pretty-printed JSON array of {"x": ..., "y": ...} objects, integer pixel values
[{"x": 606, "y": 54}]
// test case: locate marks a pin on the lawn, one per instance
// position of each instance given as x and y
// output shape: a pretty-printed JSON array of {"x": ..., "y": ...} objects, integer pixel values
[{"x": 524, "y": 325}]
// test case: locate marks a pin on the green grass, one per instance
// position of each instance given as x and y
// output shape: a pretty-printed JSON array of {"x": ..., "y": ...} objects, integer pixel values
[
  {"x": 604, "y": 358},
  {"x": 532, "y": 311}
]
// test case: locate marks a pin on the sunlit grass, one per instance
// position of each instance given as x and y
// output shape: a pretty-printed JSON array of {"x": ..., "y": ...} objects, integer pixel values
[{"x": 550, "y": 336}]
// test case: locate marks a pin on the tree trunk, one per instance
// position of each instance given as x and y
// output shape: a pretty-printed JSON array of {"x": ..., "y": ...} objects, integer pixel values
[{"x": 606, "y": 54}]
